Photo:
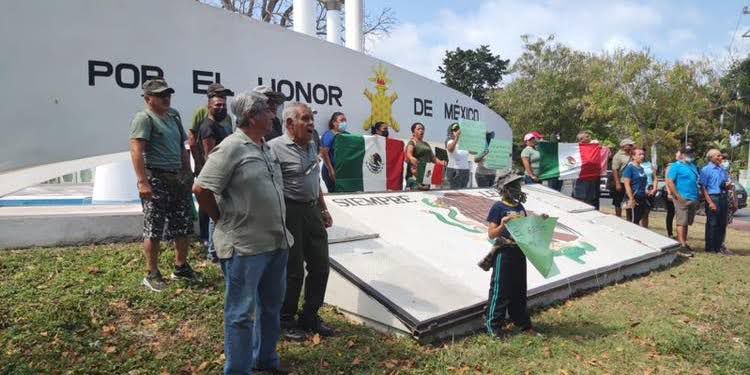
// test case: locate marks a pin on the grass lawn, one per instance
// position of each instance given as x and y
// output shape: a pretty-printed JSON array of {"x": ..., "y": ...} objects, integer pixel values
[{"x": 83, "y": 310}]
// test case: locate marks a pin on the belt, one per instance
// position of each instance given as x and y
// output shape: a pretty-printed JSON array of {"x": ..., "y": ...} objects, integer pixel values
[
  {"x": 718, "y": 194},
  {"x": 311, "y": 203}
]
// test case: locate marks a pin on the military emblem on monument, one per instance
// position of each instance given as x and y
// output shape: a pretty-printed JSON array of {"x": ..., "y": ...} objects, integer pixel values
[{"x": 381, "y": 105}]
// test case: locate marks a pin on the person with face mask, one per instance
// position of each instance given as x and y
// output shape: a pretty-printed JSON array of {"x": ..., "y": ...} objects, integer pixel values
[
  {"x": 214, "y": 90},
  {"x": 715, "y": 184},
  {"x": 682, "y": 182},
  {"x": 211, "y": 133},
  {"x": 380, "y": 128},
  {"x": 508, "y": 290},
  {"x": 336, "y": 125}
]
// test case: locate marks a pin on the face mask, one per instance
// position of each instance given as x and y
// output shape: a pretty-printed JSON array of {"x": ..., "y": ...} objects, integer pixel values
[
  {"x": 725, "y": 164},
  {"x": 220, "y": 115},
  {"x": 342, "y": 126},
  {"x": 515, "y": 193},
  {"x": 385, "y": 133},
  {"x": 688, "y": 159}
]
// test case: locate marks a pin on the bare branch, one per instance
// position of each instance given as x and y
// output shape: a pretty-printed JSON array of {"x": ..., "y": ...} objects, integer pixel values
[
  {"x": 380, "y": 25},
  {"x": 281, "y": 12},
  {"x": 286, "y": 17},
  {"x": 228, "y": 5}
]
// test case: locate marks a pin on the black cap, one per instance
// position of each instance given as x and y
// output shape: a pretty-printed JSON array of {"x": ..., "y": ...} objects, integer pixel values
[
  {"x": 687, "y": 150},
  {"x": 216, "y": 89}
]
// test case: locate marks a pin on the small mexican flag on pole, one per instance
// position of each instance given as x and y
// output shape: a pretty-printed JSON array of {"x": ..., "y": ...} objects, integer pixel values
[
  {"x": 430, "y": 173},
  {"x": 570, "y": 161}
]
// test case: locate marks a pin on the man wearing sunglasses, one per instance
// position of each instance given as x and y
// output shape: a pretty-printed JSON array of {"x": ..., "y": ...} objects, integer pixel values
[
  {"x": 164, "y": 179},
  {"x": 307, "y": 219}
]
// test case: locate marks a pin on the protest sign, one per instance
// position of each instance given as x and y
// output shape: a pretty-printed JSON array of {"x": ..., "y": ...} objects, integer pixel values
[
  {"x": 499, "y": 154},
  {"x": 473, "y": 136},
  {"x": 533, "y": 235}
]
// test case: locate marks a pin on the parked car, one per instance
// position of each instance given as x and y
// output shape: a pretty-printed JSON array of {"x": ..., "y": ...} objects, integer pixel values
[{"x": 739, "y": 191}]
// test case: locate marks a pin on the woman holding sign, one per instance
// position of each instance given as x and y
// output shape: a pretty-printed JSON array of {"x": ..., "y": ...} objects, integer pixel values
[
  {"x": 508, "y": 282},
  {"x": 458, "y": 160}
]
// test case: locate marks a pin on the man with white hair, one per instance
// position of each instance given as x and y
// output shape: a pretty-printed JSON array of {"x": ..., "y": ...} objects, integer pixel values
[
  {"x": 241, "y": 189},
  {"x": 307, "y": 219},
  {"x": 715, "y": 184}
]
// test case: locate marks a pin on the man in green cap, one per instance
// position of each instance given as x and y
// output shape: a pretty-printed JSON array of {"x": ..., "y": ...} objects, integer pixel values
[{"x": 164, "y": 180}]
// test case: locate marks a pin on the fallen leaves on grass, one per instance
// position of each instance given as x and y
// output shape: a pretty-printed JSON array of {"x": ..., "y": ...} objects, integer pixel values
[
  {"x": 316, "y": 340},
  {"x": 108, "y": 330}
]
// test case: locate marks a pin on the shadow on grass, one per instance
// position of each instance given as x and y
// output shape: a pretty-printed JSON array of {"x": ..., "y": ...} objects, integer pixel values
[{"x": 575, "y": 330}]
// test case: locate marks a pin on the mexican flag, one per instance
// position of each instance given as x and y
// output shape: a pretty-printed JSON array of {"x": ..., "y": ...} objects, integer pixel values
[
  {"x": 570, "y": 161},
  {"x": 430, "y": 173},
  {"x": 368, "y": 163}
]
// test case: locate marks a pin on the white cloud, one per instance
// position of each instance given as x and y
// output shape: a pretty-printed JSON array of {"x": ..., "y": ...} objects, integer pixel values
[
  {"x": 680, "y": 36},
  {"x": 586, "y": 25}
]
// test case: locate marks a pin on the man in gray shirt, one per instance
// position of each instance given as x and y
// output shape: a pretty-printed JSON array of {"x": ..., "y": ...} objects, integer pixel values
[
  {"x": 307, "y": 219},
  {"x": 241, "y": 189}
]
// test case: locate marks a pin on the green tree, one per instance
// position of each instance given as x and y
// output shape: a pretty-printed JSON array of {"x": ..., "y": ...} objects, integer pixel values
[
  {"x": 558, "y": 90},
  {"x": 473, "y": 72},
  {"x": 546, "y": 94}
]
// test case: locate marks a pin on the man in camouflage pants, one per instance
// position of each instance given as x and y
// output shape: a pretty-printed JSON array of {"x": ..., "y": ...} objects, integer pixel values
[{"x": 164, "y": 180}]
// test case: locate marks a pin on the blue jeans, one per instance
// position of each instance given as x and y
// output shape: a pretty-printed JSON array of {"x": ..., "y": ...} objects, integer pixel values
[
  {"x": 211, "y": 250},
  {"x": 716, "y": 222},
  {"x": 255, "y": 287}
]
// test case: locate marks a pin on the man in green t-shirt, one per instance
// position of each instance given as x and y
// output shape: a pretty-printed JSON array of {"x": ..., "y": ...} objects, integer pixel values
[{"x": 157, "y": 149}]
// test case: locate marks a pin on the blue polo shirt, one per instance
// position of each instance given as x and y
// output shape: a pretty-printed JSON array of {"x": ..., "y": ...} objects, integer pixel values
[
  {"x": 712, "y": 178},
  {"x": 637, "y": 177},
  {"x": 685, "y": 177}
]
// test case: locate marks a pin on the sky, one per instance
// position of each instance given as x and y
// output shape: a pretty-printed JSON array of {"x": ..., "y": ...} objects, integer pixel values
[{"x": 671, "y": 30}]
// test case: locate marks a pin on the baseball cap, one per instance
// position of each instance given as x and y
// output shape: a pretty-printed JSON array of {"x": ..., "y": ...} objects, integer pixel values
[
  {"x": 156, "y": 87},
  {"x": 273, "y": 96},
  {"x": 626, "y": 141},
  {"x": 455, "y": 126},
  {"x": 216, "y": 89},
  {"x": 531, "y": 135}
]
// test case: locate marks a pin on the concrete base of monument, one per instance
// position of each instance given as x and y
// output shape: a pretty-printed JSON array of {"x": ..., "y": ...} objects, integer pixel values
[
  {"x": 362, "y": 305},
  {"x": 406, "y": 262},
  {"x": 43, "y": 226}
]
